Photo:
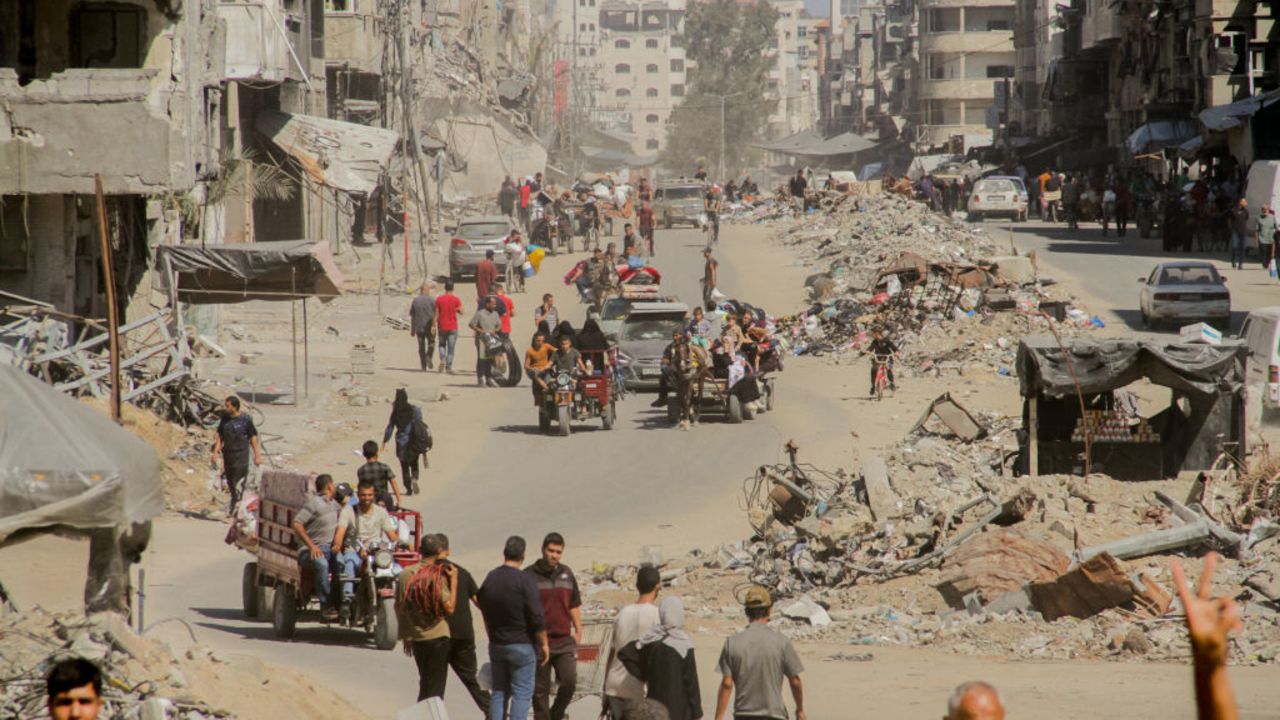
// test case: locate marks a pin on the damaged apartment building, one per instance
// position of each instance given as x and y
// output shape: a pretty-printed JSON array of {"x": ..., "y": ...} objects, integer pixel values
[
  {"x": 1094, "y": 77},
  {"x": 205, "y": 120}
]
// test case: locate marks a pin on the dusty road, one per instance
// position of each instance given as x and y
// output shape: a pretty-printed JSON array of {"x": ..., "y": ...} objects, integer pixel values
[
  {"x": 1107, "y": 268},
  {"x": 610, "y": 493}
]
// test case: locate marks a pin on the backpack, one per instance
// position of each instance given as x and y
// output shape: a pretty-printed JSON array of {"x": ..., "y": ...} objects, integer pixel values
[
  {"x": 420, "y": 440},
  {"x": 423, "y": 594}
]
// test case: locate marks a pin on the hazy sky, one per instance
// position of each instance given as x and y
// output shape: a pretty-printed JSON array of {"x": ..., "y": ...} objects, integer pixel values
[{"x": 818, "y": 8}]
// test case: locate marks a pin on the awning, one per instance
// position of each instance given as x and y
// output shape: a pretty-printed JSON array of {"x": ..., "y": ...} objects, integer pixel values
[
  {"x": 1225, "y": 117},
  {"x": 231, "y": 273},
  {"x": 842, "y": 144},
  {"x": 62, "y": 463},
  {"x": 1100, "y": 366},
  {"x": 340, "y": 155},
  {"x": 1160, "y": 134}
]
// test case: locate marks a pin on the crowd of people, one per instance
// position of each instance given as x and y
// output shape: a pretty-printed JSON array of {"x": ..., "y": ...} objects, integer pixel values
[{"x": 532, "y": 615}]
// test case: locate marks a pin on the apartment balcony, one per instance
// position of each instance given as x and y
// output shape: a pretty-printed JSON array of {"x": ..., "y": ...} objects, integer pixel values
[
  {"x": 353, "y": 39},
  {"x": 960, "y": 42},
  {"x": 81, "y": 121},
  {"x": 958, "y": 89}
]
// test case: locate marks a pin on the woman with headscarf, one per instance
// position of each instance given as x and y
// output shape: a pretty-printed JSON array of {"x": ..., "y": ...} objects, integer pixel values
[
  {"x": 592, "y": 337},
  {"x": 663, "y": 659},
  {"x": 403, "y": 415},
  {"x": 566, "y": 328}
]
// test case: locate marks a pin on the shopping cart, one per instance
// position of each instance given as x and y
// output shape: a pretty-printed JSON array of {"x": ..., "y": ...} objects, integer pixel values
[{"x": 593, "y": 656}]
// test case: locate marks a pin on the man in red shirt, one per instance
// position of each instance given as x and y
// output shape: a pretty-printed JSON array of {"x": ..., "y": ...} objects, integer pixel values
[
  {"x": 507, "y": 308},
  {"x": 644, "y": 216},
  {"x": 486, "y": 276},
  {"x": 448, "y": 307}
]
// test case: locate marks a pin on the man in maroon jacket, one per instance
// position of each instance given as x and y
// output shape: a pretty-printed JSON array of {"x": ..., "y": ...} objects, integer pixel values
[{"x": 561, "y": 607}]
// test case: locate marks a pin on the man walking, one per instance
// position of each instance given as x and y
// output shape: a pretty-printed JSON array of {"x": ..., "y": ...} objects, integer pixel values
[
  {"x": 315, "y": 525},
  {"x": 486, "y": 276},
  {"x": 1266, "y": 230},
  {"x": 426, "y": 594},
  {"x": 754, "y": 663},
  {"x": 646, "y": 220},
  {"x": 512, "y": 613},
  {"x": 236, "y": 436},
  {"x": 448, "y": 308},
  {"x": 561, "y": 607},
  {"x": 422, "y": 321},
  {"x": 507, "y": 198},
  {"x": 1239, "y": 219},
  {"x": 377, "y": 473},
  {"x": 506, "y": 308},
  {"x": 710, "y": 276},
  {"x": 547, "y": 311},
  {"x": 462, "y": 632},
  {"x": 486, "y": 322},
  {"x": 633, "y": 621}
]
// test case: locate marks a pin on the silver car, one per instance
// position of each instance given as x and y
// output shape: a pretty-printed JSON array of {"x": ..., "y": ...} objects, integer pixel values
[
  {"x": 679, "y": 203},
  {"x": 998, "y": 195},
  {"x": 645, "y": 334},
  {"x": 1185, "y": 292},
  {"x": 472, "y": 237}
]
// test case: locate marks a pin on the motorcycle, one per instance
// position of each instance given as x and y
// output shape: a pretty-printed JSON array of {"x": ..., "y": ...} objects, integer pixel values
[
  {"x": 374, "y": 605},
  {"x": 558, "y": 402}
]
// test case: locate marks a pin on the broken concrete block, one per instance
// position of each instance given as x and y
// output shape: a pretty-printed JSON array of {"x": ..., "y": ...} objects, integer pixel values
[
  {"x": 954, "y": 417},
  {"x": 1095, "y": 585},
  {"x": 1015, "y": 269},
  {"x": 806, "y": 609},
  {"x": 880, "y": 495},
  {"x": 996, "y": 563}
]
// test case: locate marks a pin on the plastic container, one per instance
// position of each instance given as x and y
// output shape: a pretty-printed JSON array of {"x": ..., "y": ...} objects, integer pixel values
[{"x": 527, "y": 269}]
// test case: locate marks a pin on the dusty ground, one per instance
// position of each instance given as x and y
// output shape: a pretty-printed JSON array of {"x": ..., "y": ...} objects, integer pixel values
[{"x": 610, "y": 493}]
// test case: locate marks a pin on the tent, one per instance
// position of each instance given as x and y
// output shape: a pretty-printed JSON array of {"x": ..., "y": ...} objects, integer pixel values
[
  {"x": 64, "y": 464},
  {"x": 1206, "y": 408}
]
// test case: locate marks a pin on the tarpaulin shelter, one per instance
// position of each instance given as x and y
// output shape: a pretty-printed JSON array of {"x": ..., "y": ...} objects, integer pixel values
[
  {"x": 289, "y": 270},
  {"x": 1206, "y": 409},
  {"x": 1160, "y": 134},
  {"x": 64, "y": 464}
]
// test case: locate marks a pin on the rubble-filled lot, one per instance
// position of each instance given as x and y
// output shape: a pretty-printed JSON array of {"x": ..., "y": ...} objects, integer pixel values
[
  {"x": 934, "y": 540},
  {"x": 163, "y": 675}
]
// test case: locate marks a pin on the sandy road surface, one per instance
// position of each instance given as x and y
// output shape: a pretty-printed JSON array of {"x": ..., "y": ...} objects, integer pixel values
[{"x": 610, "y": 493}]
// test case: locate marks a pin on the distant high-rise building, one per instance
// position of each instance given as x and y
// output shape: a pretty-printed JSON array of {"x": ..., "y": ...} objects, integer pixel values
[{"x": 642, "y": 69}]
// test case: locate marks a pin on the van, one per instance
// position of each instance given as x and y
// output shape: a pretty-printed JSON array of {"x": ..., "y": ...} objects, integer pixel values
[
  {"x": 679, "y": 203},
  {"x": 1263, "y": 188},
  {"x": 1261, "y": 333}
]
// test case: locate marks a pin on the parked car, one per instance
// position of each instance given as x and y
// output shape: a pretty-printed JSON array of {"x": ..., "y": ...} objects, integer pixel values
[
  {"x": 1185, "y": 292},
  {"x": 1004, "y": 195},
  {"x": 645, "y": 334},
  {"x": 472, "y": 237},
  {"x": 679, "y": 203},
  {"x": 1261, "y": 332}
]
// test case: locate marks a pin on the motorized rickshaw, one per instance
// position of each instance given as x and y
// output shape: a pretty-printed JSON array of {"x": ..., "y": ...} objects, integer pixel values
[{"x": 573, "y": 397}]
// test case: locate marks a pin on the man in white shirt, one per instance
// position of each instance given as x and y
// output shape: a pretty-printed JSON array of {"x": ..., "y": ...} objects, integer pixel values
[
  {"x": 633, "y": 621},
  {"x": 359, "y": 528}
]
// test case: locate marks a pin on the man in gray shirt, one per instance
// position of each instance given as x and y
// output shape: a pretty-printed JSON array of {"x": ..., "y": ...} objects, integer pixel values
[
  {"x": 422, "y": 323},
  {"x": 1266, "y": 230},
  {"x": 315, "y": 525},
  {"x": 754, "y": 663},
  {"x": 486, "y": 322}
]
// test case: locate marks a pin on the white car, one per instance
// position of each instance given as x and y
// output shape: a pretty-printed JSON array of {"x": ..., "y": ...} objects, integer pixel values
[
  {"x": 1185, "y": 292},
  {"x": 998, "y": 195}
]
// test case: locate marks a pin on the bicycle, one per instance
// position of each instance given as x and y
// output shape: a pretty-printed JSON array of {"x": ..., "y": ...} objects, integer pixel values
[
  {"x": 513, "y": 275},
  {"x": 881, "y": 382}
]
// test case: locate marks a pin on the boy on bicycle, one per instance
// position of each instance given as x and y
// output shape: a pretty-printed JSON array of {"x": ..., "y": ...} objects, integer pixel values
[{"x": 882, "y": 347}]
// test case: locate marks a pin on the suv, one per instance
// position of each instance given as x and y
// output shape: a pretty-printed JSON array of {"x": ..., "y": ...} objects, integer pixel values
[
  {"x": 999, "y": 195},
  {"x": 472, "y": 238},
  {"x": 644, "y": 336},
  {"x": 679, "y": 202}
]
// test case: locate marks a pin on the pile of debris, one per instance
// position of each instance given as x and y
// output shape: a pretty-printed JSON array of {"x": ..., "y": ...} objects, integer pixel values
[
  {"x": 147, "y": 678},
  {"x": 933, "y": 543},
  {"x": 891, "y": 262}
]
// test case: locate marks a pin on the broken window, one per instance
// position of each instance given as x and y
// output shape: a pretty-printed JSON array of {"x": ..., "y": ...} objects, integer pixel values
[
  {"x": 107, "y": 35},
  {"x": 677, "y": 66},
  {"x": 651, "y": 118},
  {"x": 622, "y": 92},
  {"x": 999, "y": 71},
  {"x": 340, "y": 6},
  {"x": 622, "y": 68},
  {"x": 651, "y": 68},
  {"x": 621, "y": 44},
  {"x": 651, "y": 144},
  {"x": 651, "y": 43},
  {"x": 14, "y": 237},
  {"x": 677, "y": 91},
  {"x": 651, "y": 92}
]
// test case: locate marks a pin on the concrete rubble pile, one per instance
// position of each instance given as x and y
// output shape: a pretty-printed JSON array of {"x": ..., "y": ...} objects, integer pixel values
[
  {"x": 934, "y": 544},
  {"x": 162, "y": 675},
  {"x": 891, "y": 262},
  {"x": 143, "y": 679}
]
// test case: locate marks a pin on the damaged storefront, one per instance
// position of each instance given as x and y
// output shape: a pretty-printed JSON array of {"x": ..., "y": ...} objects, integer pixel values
[{"x": 1079, "y": 418}]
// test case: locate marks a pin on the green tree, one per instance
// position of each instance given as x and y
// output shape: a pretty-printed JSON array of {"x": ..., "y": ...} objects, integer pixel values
[{"x": 727, "y": 48}]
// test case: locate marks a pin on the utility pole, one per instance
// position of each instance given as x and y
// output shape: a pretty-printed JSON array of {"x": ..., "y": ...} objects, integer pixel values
[
  {"x": 720, "y": 177},
  {"x": 113, "y": 318}
]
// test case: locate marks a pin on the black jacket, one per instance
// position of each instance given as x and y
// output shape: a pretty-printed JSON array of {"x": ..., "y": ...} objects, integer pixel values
[{"x": 672, "y": 680}]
